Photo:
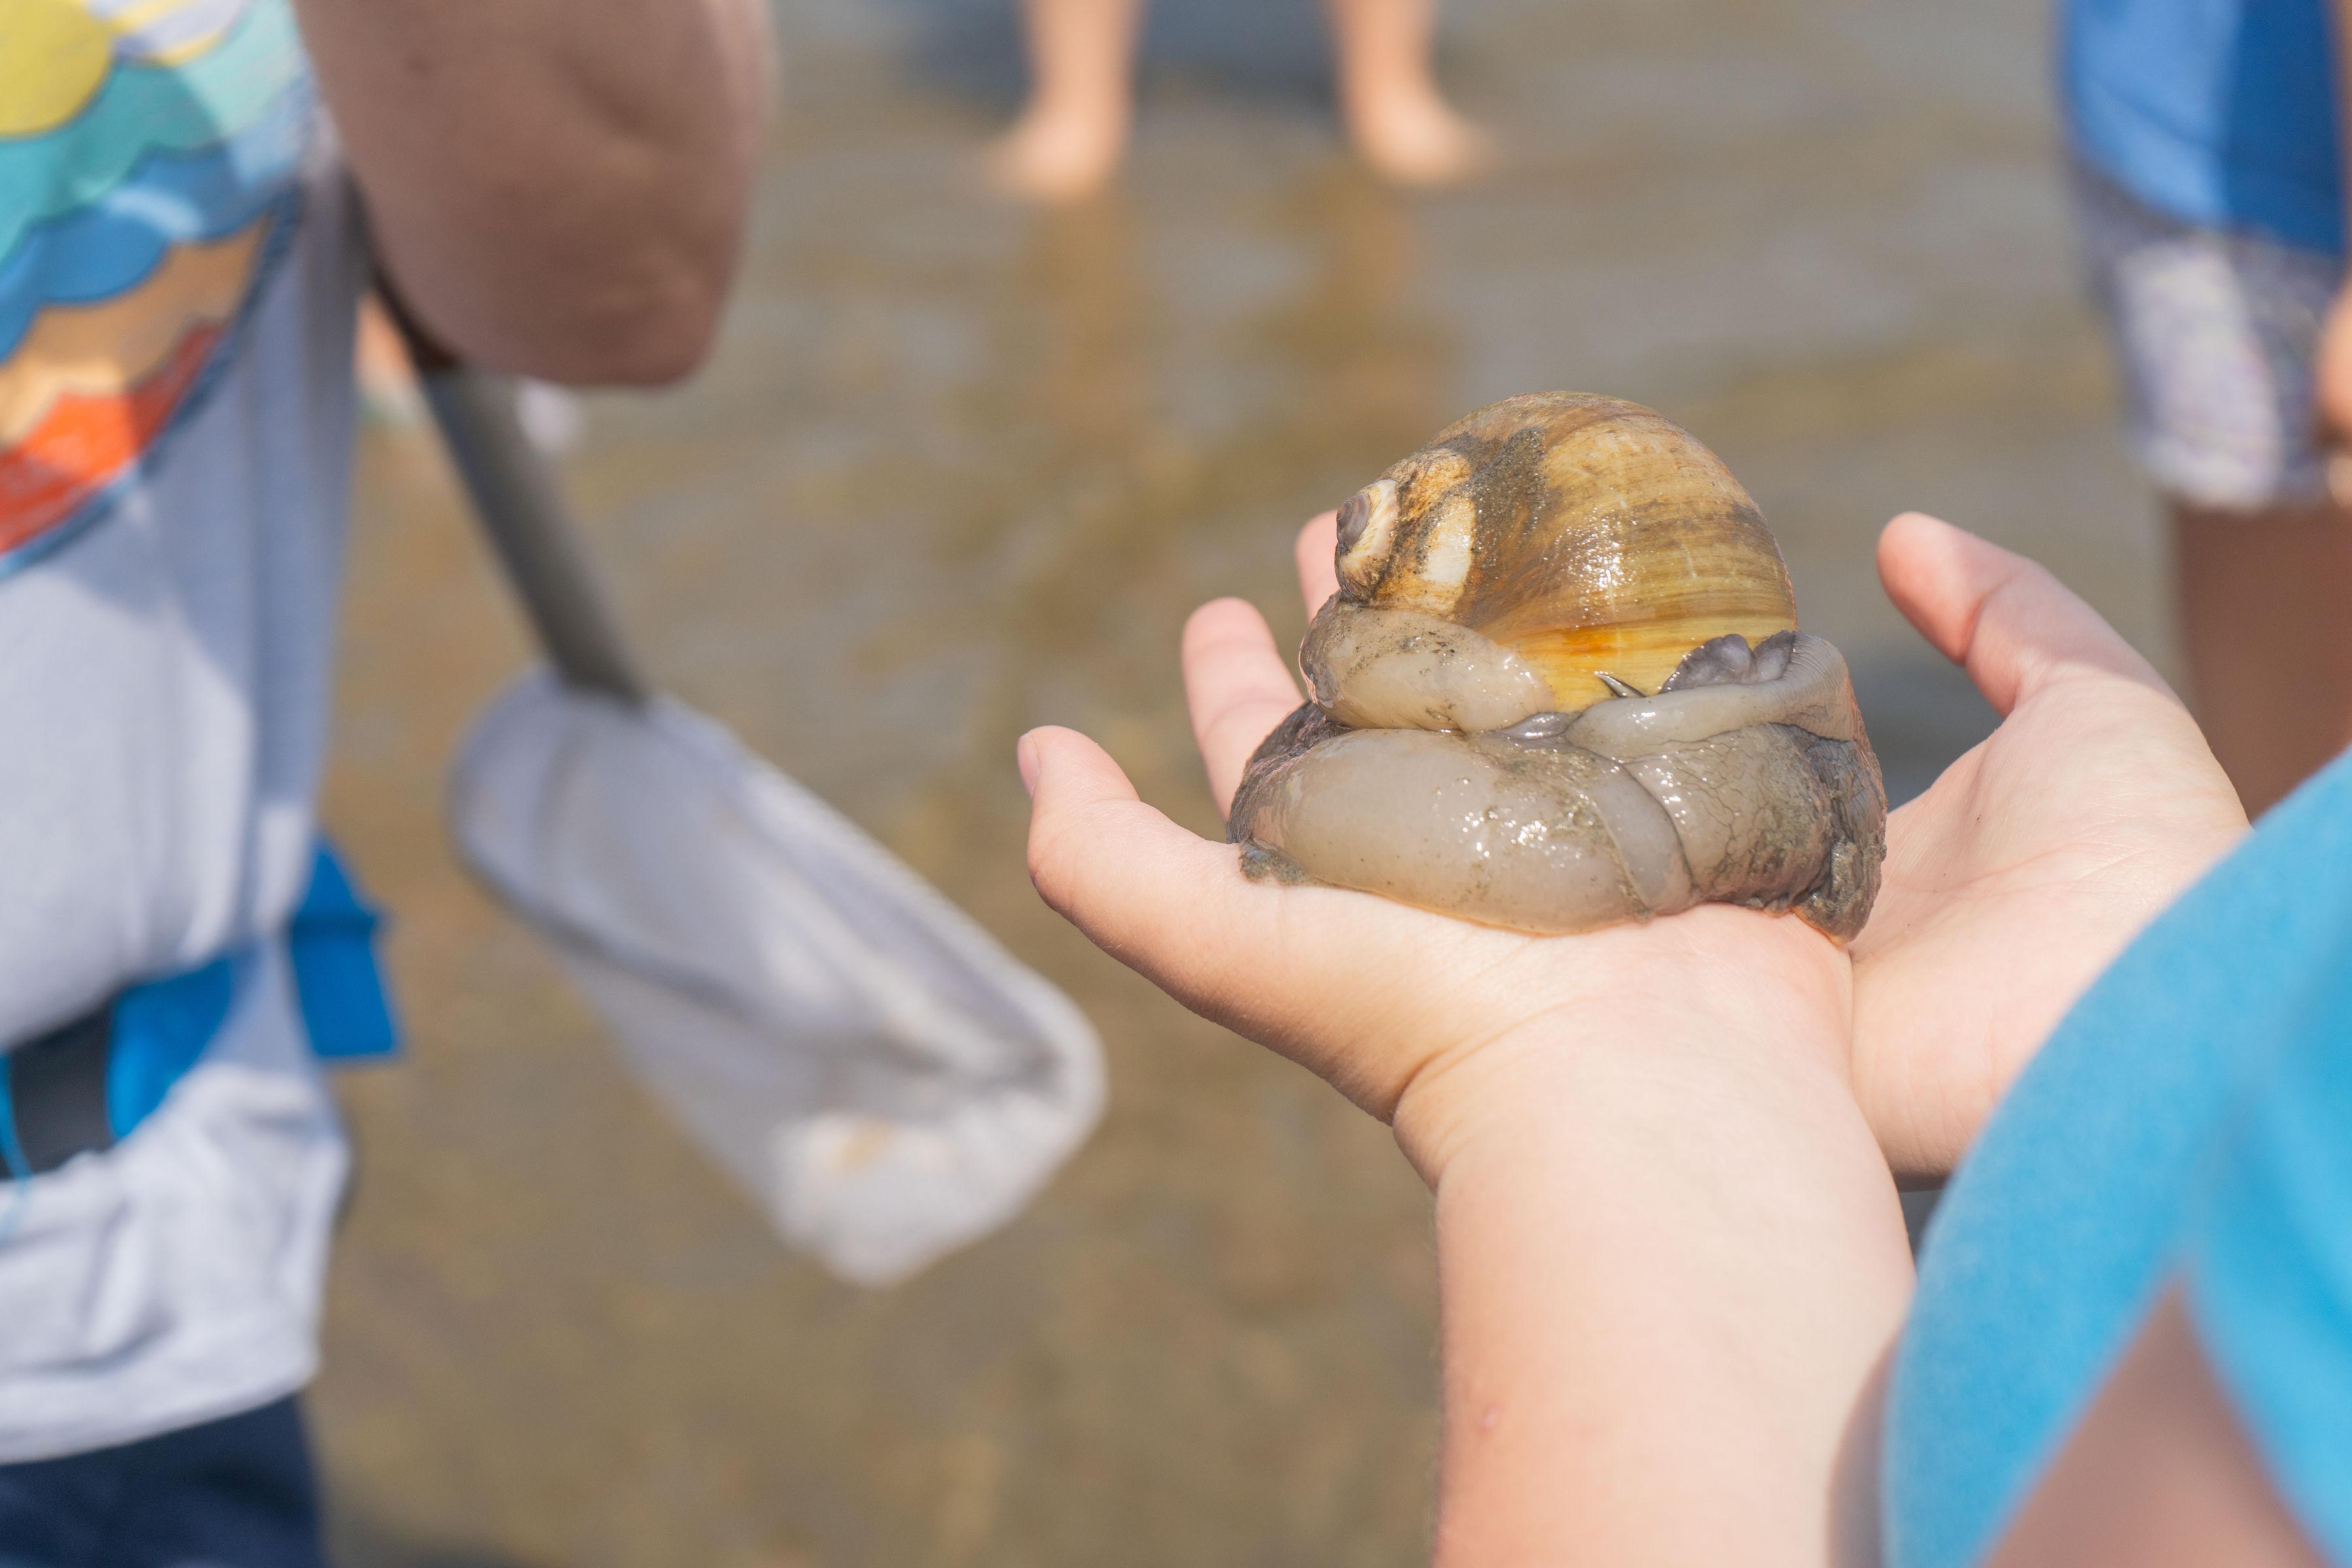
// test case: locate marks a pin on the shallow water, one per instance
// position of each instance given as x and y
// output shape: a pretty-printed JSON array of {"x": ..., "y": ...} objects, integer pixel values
[{"x": 958, "y": 470}]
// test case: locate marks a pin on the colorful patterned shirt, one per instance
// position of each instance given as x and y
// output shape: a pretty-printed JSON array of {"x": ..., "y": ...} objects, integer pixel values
[{"x": 180, "y": 265}]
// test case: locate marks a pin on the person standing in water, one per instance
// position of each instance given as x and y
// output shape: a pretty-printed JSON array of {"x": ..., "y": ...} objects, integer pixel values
[
  {"x": 2207, "y": 139},
  {"x": 1073, "y": 128}
]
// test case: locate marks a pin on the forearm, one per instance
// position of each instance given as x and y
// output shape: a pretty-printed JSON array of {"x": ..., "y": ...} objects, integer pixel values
[
  {"x": 1670, "y": 1260},
  {"x": 556, "y": 186}
]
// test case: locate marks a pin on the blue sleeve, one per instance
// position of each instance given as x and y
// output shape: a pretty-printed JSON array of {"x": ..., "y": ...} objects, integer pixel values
[
  {"x": 2180, "y": 1117},
  {"x": 2269, "y": 1267}
]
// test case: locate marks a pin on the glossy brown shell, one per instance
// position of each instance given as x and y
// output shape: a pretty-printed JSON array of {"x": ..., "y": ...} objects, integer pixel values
[{"x": 1588, "y": 534}]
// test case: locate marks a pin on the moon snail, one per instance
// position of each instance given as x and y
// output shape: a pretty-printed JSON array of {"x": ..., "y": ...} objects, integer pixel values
[{"x": 1562, "y": 686}]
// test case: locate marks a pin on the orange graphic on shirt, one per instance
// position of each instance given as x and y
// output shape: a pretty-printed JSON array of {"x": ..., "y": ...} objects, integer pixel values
[
  {"x": 149, "y": 179},
  {"x": 92, "y": 385},
  {"x": 110, "y": 347},
  {"x": 50, "y": 471}
]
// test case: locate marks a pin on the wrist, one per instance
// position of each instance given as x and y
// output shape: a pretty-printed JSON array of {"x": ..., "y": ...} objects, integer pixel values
[
  {"x": 1667, "y": 1247},
  {"x": 1717, "y": 997}
]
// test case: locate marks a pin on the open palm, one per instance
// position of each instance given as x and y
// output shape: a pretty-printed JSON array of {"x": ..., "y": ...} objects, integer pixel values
[
  {"x": 2026, "y": 867},
  {"x": 1392, "y": 1005},
  {"x": 2034, "y": 859}
]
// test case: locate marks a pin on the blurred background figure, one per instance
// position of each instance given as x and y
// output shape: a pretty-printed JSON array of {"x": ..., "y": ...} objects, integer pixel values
[
  {"x": 559, "y": 190},
  {"x": 1073, "y": 128},
  {"x": 2207, "y": 138}
]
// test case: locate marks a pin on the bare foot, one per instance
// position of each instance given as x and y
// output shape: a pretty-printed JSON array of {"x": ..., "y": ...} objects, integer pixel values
[
  {"x": 1057, "y": 155},
  {"x": 1418, "y": 139}
]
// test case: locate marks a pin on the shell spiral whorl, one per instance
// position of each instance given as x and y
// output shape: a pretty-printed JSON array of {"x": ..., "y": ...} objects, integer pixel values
[{"x": 1562, "y": 686}]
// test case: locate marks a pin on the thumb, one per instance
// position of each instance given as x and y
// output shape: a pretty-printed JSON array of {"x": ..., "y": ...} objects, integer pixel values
[
  {"x": 2005, "y": 619},
  {"x": 1157, "y": 897},
  {"x": 1281, "y": 966},
  {"x": 1077, "y": 795}
]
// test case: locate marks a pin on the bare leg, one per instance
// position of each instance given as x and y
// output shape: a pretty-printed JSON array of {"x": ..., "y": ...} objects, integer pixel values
[
  {"x": 2266, "y": 609},
  {"x": 1074, "y": 128},
  {"x": 1399, "y": 123}
]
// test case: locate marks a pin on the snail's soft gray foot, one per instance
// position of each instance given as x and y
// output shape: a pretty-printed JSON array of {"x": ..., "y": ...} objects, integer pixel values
[
  {"x": 1839, "y": 902},
  {"x": 1290, "y": 740},
  {"x": 1749, "y": 782},
  {"x": 1260, "y": 864},
  {"x": 1730, "y": 661},
  {"x": 1541, "y": 728}
]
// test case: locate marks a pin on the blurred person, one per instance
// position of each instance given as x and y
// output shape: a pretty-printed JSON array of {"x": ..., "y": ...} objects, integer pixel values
[
  {"x": 1679, "y": 1316},
  {"x": 2207, "y": 138},
  {"x": 555, "y": 189},
  {"x": 1073, "y": 131}
]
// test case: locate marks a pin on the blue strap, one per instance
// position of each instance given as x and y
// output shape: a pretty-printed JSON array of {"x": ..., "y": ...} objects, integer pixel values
[
  {"x": 331, "y": 944},
  {"x": 160, "y": 1030},
  {"x": 162, "y": 1027},
  {"x": 12, "y": 1158}
]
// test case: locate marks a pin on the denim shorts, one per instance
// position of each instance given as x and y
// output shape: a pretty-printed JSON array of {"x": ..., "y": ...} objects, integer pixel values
[
  {"x": 2216, "y": 333},
  {"x": 233, "y": 1493}
]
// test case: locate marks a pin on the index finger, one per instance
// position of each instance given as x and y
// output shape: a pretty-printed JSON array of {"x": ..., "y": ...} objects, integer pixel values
[
  {"x": 2003, "y": 618},
  {"x": 1238, "y": 687}
]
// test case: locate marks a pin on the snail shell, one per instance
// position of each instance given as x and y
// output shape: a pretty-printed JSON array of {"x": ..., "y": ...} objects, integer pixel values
[
  {"x": 1582, "y": 534},
  {"x": 1562, "y": 686}
]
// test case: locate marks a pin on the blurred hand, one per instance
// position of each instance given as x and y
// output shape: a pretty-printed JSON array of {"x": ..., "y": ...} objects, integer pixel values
[
  {"x": 1437, "y": 1024},
  {"x": 2036, "y": 857}
]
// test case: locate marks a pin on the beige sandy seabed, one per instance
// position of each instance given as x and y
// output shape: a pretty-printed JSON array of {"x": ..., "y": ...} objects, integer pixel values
[{"x": 957, "y": 472}]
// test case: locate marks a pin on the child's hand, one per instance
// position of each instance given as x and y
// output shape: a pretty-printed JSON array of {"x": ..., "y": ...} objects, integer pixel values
[
  {"x": 1667, "y": 1244},
  {"x": 2035, "y": 857},
  {"x": 2031, "y": 861},
  {"x": 1421, "y": 1019}
]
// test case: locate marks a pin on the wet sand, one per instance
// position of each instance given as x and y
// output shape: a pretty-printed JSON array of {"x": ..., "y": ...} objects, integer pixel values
[{"x": 958, "y": 470}]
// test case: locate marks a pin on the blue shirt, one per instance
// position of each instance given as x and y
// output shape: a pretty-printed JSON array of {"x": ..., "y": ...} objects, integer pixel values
[
  {"x": 2219, "y": 113},
  {"x": 2189, "y": 1123}
]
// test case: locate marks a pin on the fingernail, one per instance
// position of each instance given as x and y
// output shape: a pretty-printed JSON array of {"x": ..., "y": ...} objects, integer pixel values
[{"x": 1025, "y": 755}]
